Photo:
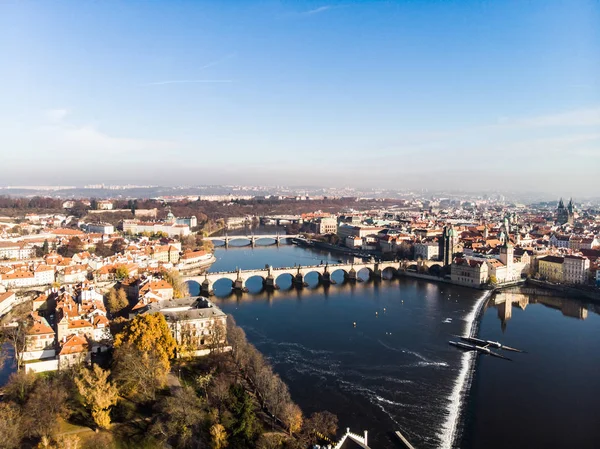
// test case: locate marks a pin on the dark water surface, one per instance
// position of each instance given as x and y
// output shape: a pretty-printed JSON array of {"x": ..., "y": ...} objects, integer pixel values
[
  {"x": 547, "y": 398},
  {"x": 393, "y": 370}
]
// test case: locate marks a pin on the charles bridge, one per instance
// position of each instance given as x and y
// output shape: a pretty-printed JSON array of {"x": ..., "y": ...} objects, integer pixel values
[{"x": 270, "y": 275}]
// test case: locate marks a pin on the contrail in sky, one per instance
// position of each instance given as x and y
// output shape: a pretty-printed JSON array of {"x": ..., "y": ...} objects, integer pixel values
[{"x": 160, "y": 83}]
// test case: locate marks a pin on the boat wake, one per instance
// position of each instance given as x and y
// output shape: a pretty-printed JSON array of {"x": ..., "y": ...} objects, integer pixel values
[{"x": 448, "y": 433}]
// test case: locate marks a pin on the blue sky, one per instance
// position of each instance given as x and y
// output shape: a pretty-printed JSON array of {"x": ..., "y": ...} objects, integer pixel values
[{"x": 489, "y": 95}]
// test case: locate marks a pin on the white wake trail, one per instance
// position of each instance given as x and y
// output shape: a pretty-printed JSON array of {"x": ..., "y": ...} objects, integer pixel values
[{"x": 462, "y": 383}]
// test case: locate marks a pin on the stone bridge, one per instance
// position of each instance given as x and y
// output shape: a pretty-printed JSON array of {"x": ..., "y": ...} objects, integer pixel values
[
  {"x": 253, "y": 238},
  {"x": 270, "y": 275}
]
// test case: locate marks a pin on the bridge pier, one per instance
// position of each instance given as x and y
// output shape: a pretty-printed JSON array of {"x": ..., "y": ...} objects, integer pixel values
[
  {"x": 253, "y": 241},
  {"x": 206, "y": 288},
  {"x": 270, "y": 282},
  {"x": 351, "y": 275},
  {"x": 326, "y": 277},
  {"x": 238, "y": 284},
  {"x": 298, "y": 280}
]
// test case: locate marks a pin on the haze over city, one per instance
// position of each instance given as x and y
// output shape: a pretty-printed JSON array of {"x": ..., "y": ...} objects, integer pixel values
[{"x": 372, "y": 94}]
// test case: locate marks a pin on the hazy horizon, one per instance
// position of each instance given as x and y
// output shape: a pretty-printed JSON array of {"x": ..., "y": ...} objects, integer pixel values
[{"x": 476, "y": 96}]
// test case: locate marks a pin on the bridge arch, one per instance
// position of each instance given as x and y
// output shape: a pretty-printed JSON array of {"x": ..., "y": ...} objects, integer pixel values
[
  {"x": 364, "y": 273},
  {"x": 284, "y": 281},
  {"x": 389, "y": 272},
  {"x": 254, "y": 283},
  {"x": 194, "y": 286},
  {"x": 435, "y": 269},
  {"x": 313, "y": 277}
]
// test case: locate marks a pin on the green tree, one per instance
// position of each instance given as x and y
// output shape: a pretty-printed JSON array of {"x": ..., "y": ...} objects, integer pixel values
[
  {"x": 243, "y": 429},
  {"x": 493, "y": 280},
  {"x": 98, "y": 394}
]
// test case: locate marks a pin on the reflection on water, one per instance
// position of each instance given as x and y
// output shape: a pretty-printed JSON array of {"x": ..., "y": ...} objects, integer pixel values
[
  {"x": 547, "y": 397},
  {"x": 393, "y": 370}
]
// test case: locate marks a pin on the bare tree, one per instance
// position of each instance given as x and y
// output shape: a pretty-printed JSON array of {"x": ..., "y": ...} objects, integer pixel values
[
  {"x": 15, "y": 335},
  {"x": 11, "y": 428},
  {"x": 217, "y": 338}
]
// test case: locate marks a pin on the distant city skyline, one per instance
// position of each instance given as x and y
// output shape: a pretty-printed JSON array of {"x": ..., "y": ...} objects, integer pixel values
[{"x": 476, "y": 96}]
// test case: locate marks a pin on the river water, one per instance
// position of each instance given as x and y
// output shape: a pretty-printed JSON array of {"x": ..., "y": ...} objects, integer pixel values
[{"x": 394, "y": 370}]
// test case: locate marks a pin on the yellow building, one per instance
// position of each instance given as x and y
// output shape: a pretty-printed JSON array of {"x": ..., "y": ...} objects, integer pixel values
[{"x": 551, "y": 268}]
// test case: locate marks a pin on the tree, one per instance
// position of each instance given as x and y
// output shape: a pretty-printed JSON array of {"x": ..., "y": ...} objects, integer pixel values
[
  {"x": 239, "y": 344},
  {"x": 149, "y": 332},
  {"x": 121, "y": 272},
  {"x": 45, "y": 247},
  {"x": 118, "y": 246},
  {"x": 292, "y": 417},
  {"x": 45, "y": 405},
  {"x": 102, "y": 250},
  {"x": 218, "y": 436},
  {"x": 19, "y": 387},
  {"x": 116, "y": 300},
  {"x": 217, "y": 337},
  {"x": 270, "y": 441},
  {"x": 11, "y": 429},
  {"x": 74, "y": 246},
  {"x": 15, "y": 335},
  {"x": 320, "y": 424},
  {"x": 180, "y": 420},
  {"x": 180, "y": 288},
  {"x": 244, "y": 426},
  {"x": 138, "y": 374},
  {"x": 493, "y": 280},
  {"x": 98, "y": 394},
  {"x": 79, "y": 210}
]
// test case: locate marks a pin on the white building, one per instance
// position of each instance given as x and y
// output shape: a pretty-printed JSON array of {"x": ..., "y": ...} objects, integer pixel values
[
  {"x": 326, "y": 225},
  {"x": 576, "y": 269},
  {"x": 7, "y": 299},
  {"x": 16, "y": 250},
  {"x": 100, "y": 228},
  {"x": 427, "y": 250},
  {"x": 193, "y": 321},
  {"x": 192, "y": 221},
  {"x": 105, "y": 205},
  {"x": 171, "y": 229}
]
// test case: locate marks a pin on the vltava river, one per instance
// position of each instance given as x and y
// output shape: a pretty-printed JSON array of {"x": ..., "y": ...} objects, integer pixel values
[{"x": 393, "y": 370}]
